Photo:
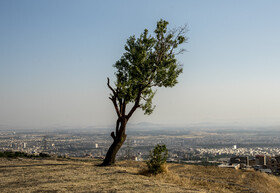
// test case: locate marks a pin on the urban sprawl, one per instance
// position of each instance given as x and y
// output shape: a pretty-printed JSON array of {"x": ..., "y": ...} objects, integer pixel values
[{"x": 257, "y": 149}]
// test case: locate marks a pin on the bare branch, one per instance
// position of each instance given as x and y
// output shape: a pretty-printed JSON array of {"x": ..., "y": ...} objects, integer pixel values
[
  {"x": 180, "y": 51},
  {"x": 144, "y": 98},
  {"x": 113, "y": 97},
  {"x": 116, "y": 107},
  {"x": 136, "y": 105},
  {"x": 113, "y": 135},
  {"x": 181, "y": 31},
  {"x": 108, "y": 84}
]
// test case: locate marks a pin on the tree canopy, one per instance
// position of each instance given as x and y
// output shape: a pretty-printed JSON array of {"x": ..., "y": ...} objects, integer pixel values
[{"x": 148, "y": 61}]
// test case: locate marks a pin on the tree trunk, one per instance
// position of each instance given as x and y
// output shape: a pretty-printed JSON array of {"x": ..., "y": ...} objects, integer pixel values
[{"x": 115, "y": 147}]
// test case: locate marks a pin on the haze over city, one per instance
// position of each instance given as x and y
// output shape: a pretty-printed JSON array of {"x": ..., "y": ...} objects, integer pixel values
[{"x": 55, "y": 57}]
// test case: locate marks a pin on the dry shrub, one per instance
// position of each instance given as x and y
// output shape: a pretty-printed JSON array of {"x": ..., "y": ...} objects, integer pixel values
[{"x": 147, "y": 172}]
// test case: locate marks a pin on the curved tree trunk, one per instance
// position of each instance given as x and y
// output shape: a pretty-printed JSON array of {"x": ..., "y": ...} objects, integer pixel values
[
  {"x": 119, "y": 135},
  {"x": 119, "y": 139}
]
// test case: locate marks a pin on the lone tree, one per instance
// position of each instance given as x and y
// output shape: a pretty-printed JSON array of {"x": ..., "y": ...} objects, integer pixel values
[{"x": 148, "y": 62}]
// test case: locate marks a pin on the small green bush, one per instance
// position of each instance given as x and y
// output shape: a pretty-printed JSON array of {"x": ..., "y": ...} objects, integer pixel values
[{"x": 157, "y": 159}]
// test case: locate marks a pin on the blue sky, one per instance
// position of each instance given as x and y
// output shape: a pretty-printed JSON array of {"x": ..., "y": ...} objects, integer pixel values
[{"x": 55, "y": 57}]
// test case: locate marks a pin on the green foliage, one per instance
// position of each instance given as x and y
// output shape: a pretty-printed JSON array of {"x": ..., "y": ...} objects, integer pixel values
[
  {"x": 16, "y": 154},
  {"x": 149, "y": 62},
  {"x": 157, "y": 159},
  {"x": 11, "y": 154},
  {"x": 44, "y": 155}
]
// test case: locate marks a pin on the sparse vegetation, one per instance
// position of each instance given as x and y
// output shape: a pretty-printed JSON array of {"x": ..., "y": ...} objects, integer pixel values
[
  {"x": 68, "y": 175},
  {"x": 17, "y": 154}
]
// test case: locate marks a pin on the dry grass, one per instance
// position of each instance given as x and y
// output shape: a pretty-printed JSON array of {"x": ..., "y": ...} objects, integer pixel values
[
  {"x": 146, "y": 172},
  {"x": 28, "y": 175},
  {"x": 215, "y": 179}
]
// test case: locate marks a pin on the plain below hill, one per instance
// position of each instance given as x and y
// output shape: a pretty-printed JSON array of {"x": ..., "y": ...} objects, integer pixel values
[{"x": 82, "y": 175}]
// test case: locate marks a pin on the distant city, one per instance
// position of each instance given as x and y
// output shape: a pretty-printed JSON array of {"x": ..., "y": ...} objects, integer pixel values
[{"x": 189, "y": 145}]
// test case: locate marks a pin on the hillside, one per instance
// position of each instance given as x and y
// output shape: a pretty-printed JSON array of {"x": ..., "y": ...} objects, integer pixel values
[{"x": 79, "y": 175}]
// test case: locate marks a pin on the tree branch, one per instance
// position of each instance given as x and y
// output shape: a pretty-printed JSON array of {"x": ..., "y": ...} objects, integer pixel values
[
  {"x": 120, "y": 105},
  {"x": 123, "y": 109},
  {"x": 108, "y": 84},
  {"x": 117, "y": 126},
  {"x": 181, "y": 32},
  {"x": 136, "y": 104},
  {"x": 113, "y": 135},
  {"x": 113, "y": 98}
]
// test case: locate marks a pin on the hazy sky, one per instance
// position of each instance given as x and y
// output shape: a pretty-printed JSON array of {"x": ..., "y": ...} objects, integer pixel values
[{"x": 55, "y": 57}]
